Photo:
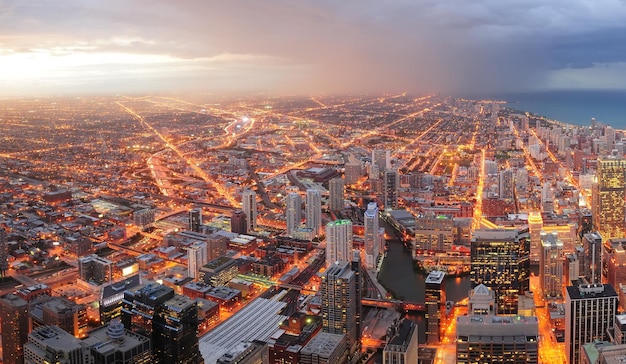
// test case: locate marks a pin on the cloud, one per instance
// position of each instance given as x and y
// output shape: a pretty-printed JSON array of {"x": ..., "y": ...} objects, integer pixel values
[{"x": 453, "y": 46}]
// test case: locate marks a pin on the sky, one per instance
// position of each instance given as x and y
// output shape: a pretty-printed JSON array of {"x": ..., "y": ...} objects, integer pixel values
[{"x": 310, "y": 46}]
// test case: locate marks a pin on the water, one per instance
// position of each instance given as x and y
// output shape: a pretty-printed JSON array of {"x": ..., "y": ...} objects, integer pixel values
[{"x": 573, "y": 107}]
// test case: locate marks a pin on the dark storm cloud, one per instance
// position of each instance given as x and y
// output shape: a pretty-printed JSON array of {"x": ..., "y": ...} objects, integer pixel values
[{"x": 336, "y": 46}]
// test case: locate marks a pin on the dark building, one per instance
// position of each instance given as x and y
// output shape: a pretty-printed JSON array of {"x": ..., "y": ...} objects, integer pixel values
[
  {"x": 501, "y": 261},
  {"x": 195, "y": 220},
  {"x": 170, "y": 320},
  {"x": 57, "y": 196},
  {"x": 585, "y": 223},
  {"x": 435, "y": 298},
  {"x": 239, "y": 222},
  {"x": 14, "y": 317},
  {"x": 112, "y": 295},
  {"x": 4, "y": 252},
  {"x": 592, "y": 245}
]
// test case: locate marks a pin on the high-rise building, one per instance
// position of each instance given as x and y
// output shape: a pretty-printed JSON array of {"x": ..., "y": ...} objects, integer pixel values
[
  {"x": 112, "y": 344},
  {"x": 535, "y": 227},
  {"x": 293, "y": 212},
  {"x": 168, "y": 319},
  {"x": 435, "y": 298},
  {"x": 551, "y": 265},
  {"x": 352, "y": 173},
  {"x": 4, "y": 252},
  {"x": 111, "y": 296},
  {"x": 500, "y": 261},
  {"x": 336, "y": 194},
  {"x": 338, "y": 241},
  {"x": 14, "y": 319},
  {"x": 592, "y": 258},
  {"x": 197, "y": 257},
  {"x": 434, "y": 233},
  {"x": 195, "y": 219},
  {"x": 589, "y": 311},
  {"x": 607, "y": 197},
  {"x": 547, "y": 198},
  {"x": 95, "y": 269},
  {"x": 371, "y": 228},
  {"x": 403, "y": 344},
  {"x": 506, "y": 184},
  {"x": 380, "y": 162},
  {"x": 248, "y": 205},
  {"x": 339, "y": 302},
  {"x": 51, "y": 344},
  {"x": 392, "y": 182},
  {"x": 239, "y": 222},
  {"x": 614, "y": 262},
  {"x": 313, "y": 210}
]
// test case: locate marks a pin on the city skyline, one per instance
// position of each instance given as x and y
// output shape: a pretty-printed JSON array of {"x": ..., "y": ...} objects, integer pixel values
[{"x": 277, "y": 47}]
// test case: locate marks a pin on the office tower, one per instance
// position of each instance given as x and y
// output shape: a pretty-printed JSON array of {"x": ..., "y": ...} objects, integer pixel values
[
  {"x": 380, "y": 162},
  {"x": 614, "y": 262},
  {"x": 197, "y": 257},
  {"x": 219, "y": 271},
  {"x": 547, "y": 198},
  {"x": 585, "y": 222},
  {"x": 293, "y": 212},
  {"x": 313, "y": 211},
  {"x": 94, "y": 269},
  {"x": 500, "y": 261},
  {"x": 336, "y": 194},
  {"x": 358, "y": 289},
  {"x": 168, "y": 319},
  {"x": 14, "y": 319},
  {"x": 195, "y": 219},
  {"x": 112, "y": 344},
  {"x": 551, "y": 265},
  {"x": 352, "y": 173},
  {"x": 4, "y": 252},
  {"x": 248, "y": 205},
  {"x": 392, "y": 182},
  {"x": 144, "y": 218},
  {"x": 111, "y": 297},
  {"x": 535, "y": 227},
  {"x": 592, "y": 258},
  {"x": 435, "y": 298},
  {"x": 589, "y": 311},
  {"x": 403, "y": 344},
  {"x": 339, "y": 302},
  {"x": 325, "y": 348},
  {"x": 433, "y": 233},
  {"x": 239, "y": 222},
  {"x": 497, "y": 339},
  {"x": 371, "y": 228},
  {"x": 51, "y": 344},
  {"x": 506, "y": 184},
  {"x": 338, "y": 241},
  {"x": 607, "y": 197}
]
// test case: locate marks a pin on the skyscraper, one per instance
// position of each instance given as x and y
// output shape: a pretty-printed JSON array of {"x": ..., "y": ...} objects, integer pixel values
[
  {"x": 14, "y": 318},
  {"x": 195, "y": 219},
  {"x": 500, "y": 260},
  {"x": 589, "y": 311},
  {"x": 506, "y": 184},
  {"x": 197, "y": 257},
  {"x": 4, "y": 252},
  {"x": 535, "y": 227},
  {"x": 380, "y": 162},
  {"x": 435, "y": 298},
  {"x": 352, "y": 173},
  {"x": 592, "y": 258},
  {"x": 313, "y": 210},
  {"x": 293, "y": 212},
  {"x": 551, "y": 265},
  {"x": 170, "y": 320},
  {"x": 239, "y": 222},
  {"x": 248, "y": 203},
  {"x": 391, "y": 181},
  {"x": 607, "y": 197},
  {"x": 336, "y": 194},
  {"x": 371, "y": 227},
  {"x": 547, "y": 198},
  {"x": 339, "y": 302},
  {"x": 338, "y": 241}
]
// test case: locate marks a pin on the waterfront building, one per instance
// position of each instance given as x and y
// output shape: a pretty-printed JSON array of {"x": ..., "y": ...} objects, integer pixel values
[
  {"x": 434, "y": 233},
  {"x": 435, "y": 299},
  {"x": 293, "y": 212},
  {"x": 339, "y": 302},
  {"x": 371, "y": 238},
  {"x": 338, "y": 241},
  {"x": 195, "y": 220},
  {"x": 500, "y": 261},
  {"x": 403, "y": 344},
  {"x": 589, "y": 311},
  {"x": 497, "y": 339},
  {"x": 196, "y": 257},
  {"x": 239, "y": 222},
  {"x": 607, "y": 197},
  {"x": 313, "y": 210},
  {"x": 14, "y": 325},
  {"x": 551, "y": 266},
  {"x": 592, "y": 257},
  {"x": 95, "y": 269},
  {"x": 336, "y": 194},
  {"x": 392, "y": 181},
  {"x": 51, "y": 344},
  {"x": 113, "y": 344},
  {"x": 248, "y": 205}
]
